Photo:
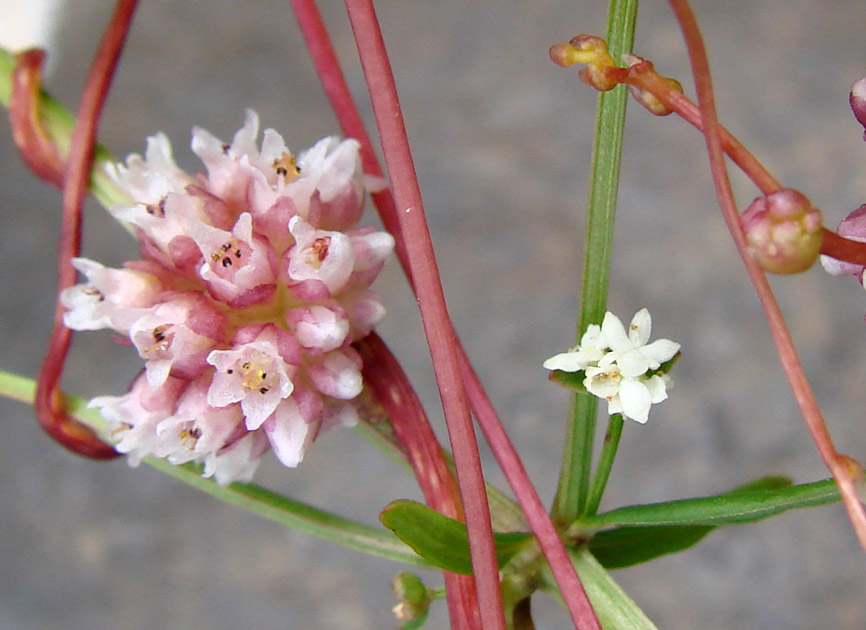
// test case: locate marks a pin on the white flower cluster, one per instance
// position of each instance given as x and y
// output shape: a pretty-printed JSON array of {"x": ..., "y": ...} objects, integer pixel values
[
  {"x": 620, "y": 366},
  {"x": 251, "y": 289}
]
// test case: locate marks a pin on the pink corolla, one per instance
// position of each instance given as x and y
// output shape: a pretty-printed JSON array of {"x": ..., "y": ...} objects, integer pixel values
[{"x": 252, "y": 286}]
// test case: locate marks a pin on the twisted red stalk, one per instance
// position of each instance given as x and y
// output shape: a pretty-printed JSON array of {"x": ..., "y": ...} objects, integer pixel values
[
  {"x": 832, "y": 244},
  {"x": 431, "y": 301},
  {"x": 34, "y": 146},
  {"x": 48, "y": 404},
  {"x": 328, "y": 68},
  {"x": 784, "y": 344},
  {"x": 391, "y": 387}
]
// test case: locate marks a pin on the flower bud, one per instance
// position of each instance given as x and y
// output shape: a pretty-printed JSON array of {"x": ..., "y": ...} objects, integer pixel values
[
  {"x": 852, "y": 227},
  {"x": 783, "y": 232},
  {"x": 640, "y": 66},
  {"x": 857, "y": 99},
  {"x": 601, "y": 72},
  {"x": 413, "y": 595}
]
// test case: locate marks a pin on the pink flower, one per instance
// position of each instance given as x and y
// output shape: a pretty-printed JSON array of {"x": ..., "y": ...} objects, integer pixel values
[
  {"x": 251, "y": 288},
  {"x": 254, "y": 374}
]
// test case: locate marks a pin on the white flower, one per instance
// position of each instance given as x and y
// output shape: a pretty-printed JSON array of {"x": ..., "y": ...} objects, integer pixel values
[
  {"x": 630, "y": 350},
  {"x": 590, "y": 350},
  {"x": 619, "y": 365},
  {"x": 28, "y": 24}
]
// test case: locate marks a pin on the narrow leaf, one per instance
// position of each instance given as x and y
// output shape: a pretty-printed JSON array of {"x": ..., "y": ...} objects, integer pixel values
[
  {"x": 740, "y": 506},
  {"x": 627, "y": 546},
  {"x": 442, "y": 540}
]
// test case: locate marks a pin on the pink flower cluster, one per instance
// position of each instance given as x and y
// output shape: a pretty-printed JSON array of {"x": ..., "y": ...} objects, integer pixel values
[{"x": 251, "y": 288}]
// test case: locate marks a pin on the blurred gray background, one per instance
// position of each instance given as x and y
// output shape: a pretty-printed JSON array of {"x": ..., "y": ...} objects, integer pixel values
[{"x": 502, "y": 140}]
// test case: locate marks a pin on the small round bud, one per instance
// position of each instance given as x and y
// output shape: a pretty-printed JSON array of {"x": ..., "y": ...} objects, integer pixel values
[
  {"x": 857, "y": 99},
  {"x": 589, "y": 42},
  {"x": 783, "y": 232},
  {"x": 413, "y": 595},
  {"x": 650, "y": 101},
  {"x": 562, "y": 54}
]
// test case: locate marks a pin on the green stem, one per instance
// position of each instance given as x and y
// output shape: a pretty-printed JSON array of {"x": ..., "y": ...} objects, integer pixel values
[
  {"x": 615, "y": 609},
  {"x": 272, "y": 506},
  {"x": 605, "y": 462},
  {"x": 573, "y": 488}
]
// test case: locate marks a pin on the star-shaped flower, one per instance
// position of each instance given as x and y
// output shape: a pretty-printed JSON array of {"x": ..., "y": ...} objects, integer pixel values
[{"x": 620, "y": 366}]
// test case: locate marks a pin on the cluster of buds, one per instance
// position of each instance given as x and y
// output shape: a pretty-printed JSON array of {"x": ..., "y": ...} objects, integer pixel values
[
  {"x": 602, "y": 73},
  {"x": 251, "y": 288}
]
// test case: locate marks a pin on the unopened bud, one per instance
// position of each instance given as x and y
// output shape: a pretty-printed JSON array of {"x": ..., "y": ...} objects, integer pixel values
[
  {"x": 857, "y": 99},
  {"x": 650, "y": 101},
  {"x": 852, "y": 227},
  {"x": 640, "y": 66},
  {"x": 588, "y": 43},
  {"x": 783, "y": 232},
  {"x": 413, "y": 595},
  {"x": 601, "y": 72}
]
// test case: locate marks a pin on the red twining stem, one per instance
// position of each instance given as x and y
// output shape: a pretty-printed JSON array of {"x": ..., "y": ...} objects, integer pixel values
[
  {"x": 337, "y": 90},
  {"x": 36, "y": 148},
  {"x": 49, "y": 404},
  {"x": 392, "y": 389},
  {"x": 676, "y": 101},
  {"x": 331, "y": 76},
  {"x": 781, "y": 336},
  {"x": 431, "y": 302},
  {"x": 833, "y": 244}
]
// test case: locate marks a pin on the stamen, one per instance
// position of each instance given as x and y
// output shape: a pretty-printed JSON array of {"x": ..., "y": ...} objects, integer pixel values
[{"x": 285, "y": 165}]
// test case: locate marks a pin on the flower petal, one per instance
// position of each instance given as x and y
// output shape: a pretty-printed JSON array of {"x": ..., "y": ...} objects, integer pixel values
[
  {"x": 640, "y": 328},
  {"x": 614, "y": 333},
  {"x": 565, "y": 361},
  {"x": 635, "y": 399}
]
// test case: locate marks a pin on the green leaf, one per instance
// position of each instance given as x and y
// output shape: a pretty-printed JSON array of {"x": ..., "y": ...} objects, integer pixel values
[
  {"x": 442, "y": 540},
  {"x": 627, "y": 546},
  {"x": 614, "y": 608},
  {"x": 754, "y": 502}
]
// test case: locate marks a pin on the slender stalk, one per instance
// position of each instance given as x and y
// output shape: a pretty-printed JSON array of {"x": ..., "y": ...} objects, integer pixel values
[
  {"x": 337, "y": 90},
  {"x": 56, "y": 122},
  {"x": 250, "y": 497},
  {"x": 570, "y": 586},
  {"x": 842, "y": 248},
  {"x": 551, "y": 545},
  {"x": 391, "y": 387},
  {"x": 605, "y": 463},
  {"x": 431, "y": 302},
  {"x": 49, "y": 404},
  {"x": 34, "y": 144},
  {"x": 781, "y": 336},
  {"x": 574, "y": 476}
]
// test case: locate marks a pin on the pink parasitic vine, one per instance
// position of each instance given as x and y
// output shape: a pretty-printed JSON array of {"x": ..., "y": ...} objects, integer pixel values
[
  {"x": 49, "y": 404},
  {"x": 839, "y": 465},
  {"x": 330, "y": 73}
]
